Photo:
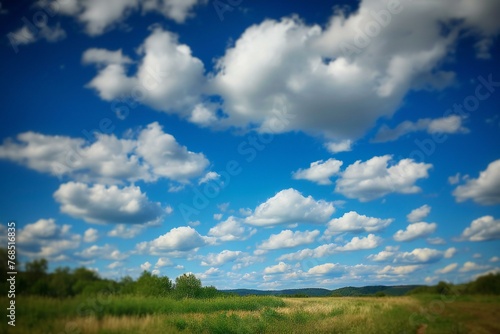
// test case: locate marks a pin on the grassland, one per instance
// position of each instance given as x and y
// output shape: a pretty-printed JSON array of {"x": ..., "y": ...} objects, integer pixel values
[{"x": 133, "y": 314}]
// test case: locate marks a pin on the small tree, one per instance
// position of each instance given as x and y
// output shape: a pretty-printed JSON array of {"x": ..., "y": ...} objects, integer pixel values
[{"x": 187, "y": 285}]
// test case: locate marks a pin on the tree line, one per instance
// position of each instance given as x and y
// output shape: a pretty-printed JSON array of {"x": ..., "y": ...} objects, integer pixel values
[{"x": 65, "y": 282}]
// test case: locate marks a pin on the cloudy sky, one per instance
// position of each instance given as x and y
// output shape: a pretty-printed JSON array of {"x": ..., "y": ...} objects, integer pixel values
[{"x": 256, "y": 144}]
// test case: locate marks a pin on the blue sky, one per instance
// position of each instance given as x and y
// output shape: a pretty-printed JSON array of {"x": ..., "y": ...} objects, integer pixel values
[{"x": 255, "y": 144}]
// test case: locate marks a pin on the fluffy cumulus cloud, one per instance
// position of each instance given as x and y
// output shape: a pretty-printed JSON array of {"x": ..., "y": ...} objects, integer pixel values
[
  {"x": 90, "y": 235},
  {"x": 289, "y": 239},
  {"x": 319, "y": 172},
  {"x": 449, "y": 124},
  {"x": 44, "y": 238},
  {"x": 218, "y": 259},
  {"x": 399, "y": 270},
  {"x": 418, "y": 255},
  {"x": 339, "y": 146},
  {"x": 326, "y": 268},
  {"x": 102, "y": 204},
  {"x": 231, "y": 229},
  {"x": 27, "y": 35},
  {"x": 177, "y": 241},
  {"x": 279, "y": 268},
  {"x": 106, "y": 159},
  {"x": 290, "y": 206},
  {"x": 369, "y": 242},
  {"x": 482, "y": 229},
  {"x": 472, "y": 266},
  {"x": 415, "y": 231},
  {"x": 168, "y": 78},
  {"x": 125, "y": 231},
  {"x": 354, "y": 222},
  {"x": 485, "y": 189},
  {"x": 375, "y": 178},
  {"x": 418, "y": 214},
  {"x": 105, "y": 252}
]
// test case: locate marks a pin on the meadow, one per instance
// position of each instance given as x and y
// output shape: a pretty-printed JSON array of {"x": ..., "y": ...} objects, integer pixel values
[{"x": 422, "y": 313}]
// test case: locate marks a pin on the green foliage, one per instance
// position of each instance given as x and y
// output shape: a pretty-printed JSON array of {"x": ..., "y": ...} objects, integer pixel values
[
  {"x": 188, "y": 286},
  {"x": 152, "y": 285},
  {"x": 489, "y": 284}
]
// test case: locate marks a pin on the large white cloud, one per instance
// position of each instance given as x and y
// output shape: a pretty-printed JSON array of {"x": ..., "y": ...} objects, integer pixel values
[
  {"x": 485, "y": 189},
  {"x": 482, "y": 229},
  {"x": 168, "y": 77},
  {"x": 102, "y": 204},
  {"x": 288, "y": 239},
  {"x": 290, "y": 206},
  {"x": 414, "y": 231},
  {"x": 354, "y": 222},
  {"x": 107, "y": 159},
  {"x": 319, "y": 172},
  {"x": 374, "y": 178},
  {"x": 176, "y": 241}
]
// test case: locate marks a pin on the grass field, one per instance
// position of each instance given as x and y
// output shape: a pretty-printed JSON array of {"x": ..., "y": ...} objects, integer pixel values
[{"x": 128, "y": 314}]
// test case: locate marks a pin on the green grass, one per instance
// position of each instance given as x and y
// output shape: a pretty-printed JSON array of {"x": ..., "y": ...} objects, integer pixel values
[{"x": 262, "y": 314}]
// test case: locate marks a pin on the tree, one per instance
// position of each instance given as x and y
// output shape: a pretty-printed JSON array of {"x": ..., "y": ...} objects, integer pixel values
[
  {"x": 187, "y": 285},
  {"x": 152, "y": 285}
]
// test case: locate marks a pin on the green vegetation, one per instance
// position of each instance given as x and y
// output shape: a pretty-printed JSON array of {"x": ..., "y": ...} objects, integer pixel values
[{"x": 79, "y": 301}]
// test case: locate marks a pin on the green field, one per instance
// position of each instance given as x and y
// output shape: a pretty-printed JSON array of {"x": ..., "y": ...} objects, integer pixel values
[{"x": 263, "y": 314}]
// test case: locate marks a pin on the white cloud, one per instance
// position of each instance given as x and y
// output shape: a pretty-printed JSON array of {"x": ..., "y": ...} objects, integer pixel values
[
  {"x": 340, "y": 146},
  {"x": 163, "y": 262},
  {"x": 368, "y": 242},
  {"x": 107, "y": 159},
  {"x": 104, "y": 57},
  {"x": 450, "y": 252},
  {"x": 482, "y": 229},
  {"x": 126, "y": 231},
  {"x": 472, "y": 266},
  {"x": 320, "y": 251},
  {"x": 373, "y": 178},
  {"x": 46, "y": 239},
  {"x": 90, "y": 235},
  {"x": 399, "y": 270},
  {"x": 450, "y": 124},
  {"x": 485, "y": 189},
  {"x": 354, "y": 222},
  {"x": 319, "y": 172},
  {"x": 495, "y": 259},
  {"x": 276, "y": 269},
  {"x": 418, "y": 214},
  {"x": 449, "y": 268},
  {"x": 105, "y": 252},
  {"x": 231, "y": 229},
  {"x": 115, "y": 265},
  {"x": 288, "y": 239},
  {"x": 388, "y": 254},
  {"x": 168, "y": 78},
  {"x": 218, "y": 259},
  {"x": 146, "y": 266},
  {"x": 436, "y": 241},
  {"x": 326, "y": 268},
  {"x": 414, "y": 231},
  {"x": 179, "y": 239},
  {"x": 101, "y": 204},
  {"x": 26, "y": 35},
  {"x": 209, "y": 177},
  {"x": 420, "y": 255},
  {"x": 100, "y": 16},
  {"x": 288, "y": 207}
]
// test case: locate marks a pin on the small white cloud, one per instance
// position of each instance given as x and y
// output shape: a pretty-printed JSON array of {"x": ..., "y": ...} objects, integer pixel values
[
  {"x": 472, "y": 266},
  {"x": 276, "y": 269},
  {"x": 163, "y": 262},
  {"x": 341, "y": 146},
  {"x": 179, "y": 239},
  {"x": 210, "y": 176},
  {"x": 415, "y": 231},
  {"x": 231, "y": 229},
  {"x": 495, "y": 259},
  {"x": 319, "y": 172},
  {"x": 436, "y": 241},
  {"x": 288, "y": 239},
  {"x": 146, "y": 266},
  {"x": 399, "y": 270},
  {"x": 354, "y": 222},
  {"x": 218, "y": 216},
  {"x": 326, "y": 268},
  {"x": 218, "y": 259},
  {"x": 449, "y": 268},
  {"x": 126, "y": 231},
  {"x": 418, "y": 214},
  {"x": 90, "y": 235},
  {"x": 369, "y": 242},
  {"x": 105, "y": 252}
]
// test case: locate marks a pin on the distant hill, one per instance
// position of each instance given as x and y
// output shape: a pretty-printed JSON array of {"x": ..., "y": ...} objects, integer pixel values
[{"x": 395, "y": 290}]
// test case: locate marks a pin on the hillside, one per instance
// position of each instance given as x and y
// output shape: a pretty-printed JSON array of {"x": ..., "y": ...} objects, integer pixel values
[{"x": 396, "y": 290}]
